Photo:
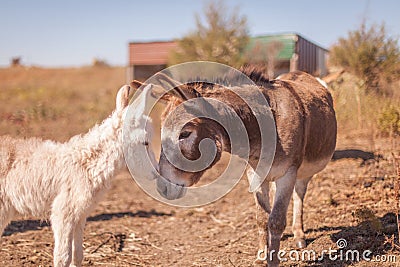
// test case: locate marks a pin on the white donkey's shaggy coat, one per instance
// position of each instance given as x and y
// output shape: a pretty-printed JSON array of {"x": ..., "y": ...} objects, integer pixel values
[{"x": 66, "y": 180}]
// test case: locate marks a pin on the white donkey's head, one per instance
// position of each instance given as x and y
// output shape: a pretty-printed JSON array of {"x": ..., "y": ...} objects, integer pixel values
[{"x": 137, "y": 130}]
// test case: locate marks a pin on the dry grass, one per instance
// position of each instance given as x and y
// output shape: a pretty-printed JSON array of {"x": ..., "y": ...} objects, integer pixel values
[
  {"x": 56, "y": 103},
  {"x": 357, "y": 112}
]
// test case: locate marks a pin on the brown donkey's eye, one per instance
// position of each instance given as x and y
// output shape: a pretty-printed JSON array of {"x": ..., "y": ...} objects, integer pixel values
[
  {"x": 145, "y": 143},
  {"x": 184, "y": 135}
]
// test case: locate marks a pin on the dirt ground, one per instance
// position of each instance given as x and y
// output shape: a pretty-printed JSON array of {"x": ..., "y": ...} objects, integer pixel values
[{"x": 352, "y": 199}]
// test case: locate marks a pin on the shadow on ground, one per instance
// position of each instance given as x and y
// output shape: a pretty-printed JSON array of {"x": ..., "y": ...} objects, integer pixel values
[
  {"x": 366, "y": 156},
  {"x": 353, "y": 154},
  {"x": 373, "y": 237},
  {"x": 34, "y": 225}
]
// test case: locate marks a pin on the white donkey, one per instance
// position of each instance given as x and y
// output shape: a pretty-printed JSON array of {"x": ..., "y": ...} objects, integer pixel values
[{"x": 66, "y": 180}]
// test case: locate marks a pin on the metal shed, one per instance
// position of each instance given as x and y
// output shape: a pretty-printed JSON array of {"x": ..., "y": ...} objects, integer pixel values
[
  {"x": 295, "y": 53},
  {"x": 147, "y": 58}
]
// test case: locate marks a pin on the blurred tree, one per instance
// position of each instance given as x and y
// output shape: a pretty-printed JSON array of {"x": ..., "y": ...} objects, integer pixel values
[
  {"x": 370, "y": 54},
  {"x": 265, "y": 56},
  {"x": 97, "y": 62},
  {"x": 222, "y": 38},
  {"x": 16, "y": 62}
]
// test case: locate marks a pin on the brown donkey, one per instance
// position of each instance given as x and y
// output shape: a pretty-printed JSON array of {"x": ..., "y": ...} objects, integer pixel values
[{"x": 306, "y": 138}]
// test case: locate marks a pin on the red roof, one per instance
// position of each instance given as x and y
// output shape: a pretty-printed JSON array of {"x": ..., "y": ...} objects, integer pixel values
[{"x": 152, "y": 53}]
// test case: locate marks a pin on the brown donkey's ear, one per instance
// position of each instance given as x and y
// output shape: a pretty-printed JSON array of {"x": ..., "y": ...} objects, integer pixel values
[
  {"x": 180, "y": 90},
  {"x": 135, "y": 84},
  {"x": 156, "y": 91}
]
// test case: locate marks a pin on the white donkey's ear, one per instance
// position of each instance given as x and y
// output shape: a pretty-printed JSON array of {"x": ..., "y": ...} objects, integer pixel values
[
  {"x": 122, "y": 99},
  {"x": 145, "y": 100}
]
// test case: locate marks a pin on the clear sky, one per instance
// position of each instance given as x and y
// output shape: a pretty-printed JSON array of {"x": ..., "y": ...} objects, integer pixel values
[{"x": 56, "y": 33}]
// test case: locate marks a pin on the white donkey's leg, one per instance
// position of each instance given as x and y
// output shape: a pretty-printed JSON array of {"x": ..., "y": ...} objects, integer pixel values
[
  {"x": 63, "y": 227},
  {"x": 77, "y": 249},
  {"x": 277, "y": 218},
  {"x": 299, "y": 192},
  {"x": 6, "y": 215}
]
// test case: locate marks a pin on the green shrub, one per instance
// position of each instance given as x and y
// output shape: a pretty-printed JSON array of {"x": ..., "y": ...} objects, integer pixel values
[{"x": 389, "y": 120}]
